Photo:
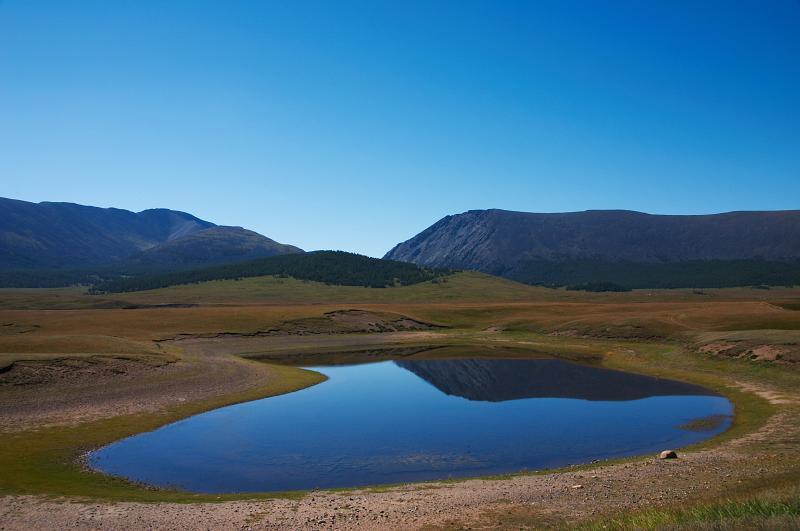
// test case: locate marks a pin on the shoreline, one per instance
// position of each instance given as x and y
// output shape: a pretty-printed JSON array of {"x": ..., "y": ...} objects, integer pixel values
[
  {"x": 719, "y": 423},
  {"x": 478, "y": 496},
  {"x": 159, "y": 419}
]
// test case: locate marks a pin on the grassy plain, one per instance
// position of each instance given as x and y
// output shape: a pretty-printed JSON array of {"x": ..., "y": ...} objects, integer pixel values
[{"x": 733, "y": 340}]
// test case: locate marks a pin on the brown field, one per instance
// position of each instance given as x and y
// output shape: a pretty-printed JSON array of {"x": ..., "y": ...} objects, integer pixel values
[{"x": 78, "y": 371}]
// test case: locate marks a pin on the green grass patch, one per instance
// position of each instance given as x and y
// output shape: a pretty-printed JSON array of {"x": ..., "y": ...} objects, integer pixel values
[
  {"x": 670, "y": 361},
  {"x": 774, "y": 509}
]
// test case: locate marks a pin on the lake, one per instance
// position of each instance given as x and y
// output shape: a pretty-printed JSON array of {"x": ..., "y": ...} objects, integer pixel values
[{"x": 414, "y": 420}]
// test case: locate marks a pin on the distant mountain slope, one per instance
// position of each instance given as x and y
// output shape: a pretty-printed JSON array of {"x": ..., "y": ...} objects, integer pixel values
[
  {"x": 45, "y": 236},
  {"x": 331, "y": 267},
  {"x": 595, "y": 245},
  {"x": 214, "y": 245}
]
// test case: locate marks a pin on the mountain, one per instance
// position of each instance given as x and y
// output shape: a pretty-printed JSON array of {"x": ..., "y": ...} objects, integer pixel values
[
  {"x": 632, "y": 248},
  {"x": 214, "y": 245},
  {"x": 47, "y": 236}
]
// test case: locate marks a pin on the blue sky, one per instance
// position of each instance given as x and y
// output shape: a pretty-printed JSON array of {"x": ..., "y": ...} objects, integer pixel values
[{"x": 354, "y": 125}]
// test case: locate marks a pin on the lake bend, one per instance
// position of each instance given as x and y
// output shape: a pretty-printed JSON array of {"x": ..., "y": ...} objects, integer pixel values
[{"x": 422, "y": 419}]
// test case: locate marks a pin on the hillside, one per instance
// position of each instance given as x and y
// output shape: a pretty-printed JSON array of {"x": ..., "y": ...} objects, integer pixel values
[
  {"x": 460, "y": 287},
  {"x": 630, "y": 248},
  {"x": 465, "y": 286},
  {"x": 39, "y": 237},
  {"x": 330, "y": 267},
  {"x": 214, "y": 245}
]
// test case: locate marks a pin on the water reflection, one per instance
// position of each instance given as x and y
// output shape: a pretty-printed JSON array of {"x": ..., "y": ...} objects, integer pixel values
[
  {"x": 420, "y": 419},
  {"x": 496, "y": 380}
]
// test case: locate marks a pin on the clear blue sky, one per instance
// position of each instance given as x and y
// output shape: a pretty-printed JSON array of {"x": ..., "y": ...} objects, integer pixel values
[{"x": 354, "y": 125}]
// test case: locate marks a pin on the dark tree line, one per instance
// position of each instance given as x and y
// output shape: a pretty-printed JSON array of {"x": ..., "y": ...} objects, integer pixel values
[
  {"x": 597, "y": 287},
  {"x": 330, "y": 267},
  {"x": 602, "y": 275},
  {"x": 49, "y": 279}
]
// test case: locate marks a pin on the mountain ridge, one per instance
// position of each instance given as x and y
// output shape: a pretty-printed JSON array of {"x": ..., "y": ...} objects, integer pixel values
[
  {"x": 59, "y": 235},
  {"x": 517, "y": 244}
]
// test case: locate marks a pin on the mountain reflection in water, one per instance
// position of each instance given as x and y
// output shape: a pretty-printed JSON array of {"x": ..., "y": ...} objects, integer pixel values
[
  {"x": 497, "y": 380},
  {"x": 418, "y": 419}
]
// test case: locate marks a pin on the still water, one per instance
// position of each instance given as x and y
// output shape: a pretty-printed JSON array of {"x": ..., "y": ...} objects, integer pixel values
[{"x": 398, "y": 421}]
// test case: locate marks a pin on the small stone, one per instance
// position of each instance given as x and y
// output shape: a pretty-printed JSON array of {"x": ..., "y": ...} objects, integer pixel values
[
  {"x": 668, "y": 454},
  {"x": 577, "y": 486}
]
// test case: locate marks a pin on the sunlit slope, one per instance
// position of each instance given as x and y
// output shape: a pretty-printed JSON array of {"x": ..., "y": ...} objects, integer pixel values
[{"x": 462, "y": 286}]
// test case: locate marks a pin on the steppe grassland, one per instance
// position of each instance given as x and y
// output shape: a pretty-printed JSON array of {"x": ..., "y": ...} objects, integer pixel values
[{"x": 655, "y": 332}]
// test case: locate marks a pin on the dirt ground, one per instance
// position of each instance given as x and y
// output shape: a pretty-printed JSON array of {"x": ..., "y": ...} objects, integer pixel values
[
  {"x": 549, "y": 499},
  {"x": 73, "y": 389},
  {"x": 80, "y": 390}
]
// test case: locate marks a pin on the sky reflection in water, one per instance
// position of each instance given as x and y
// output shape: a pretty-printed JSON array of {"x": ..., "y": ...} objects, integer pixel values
[{"x": 418, "y": 420}]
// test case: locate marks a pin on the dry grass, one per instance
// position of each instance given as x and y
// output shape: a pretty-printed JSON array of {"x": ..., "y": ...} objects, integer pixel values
[
  {"x": 459, "y": 288},
  {"x": 130, "y": 331},
  {"x": 658, "y": 332}
]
